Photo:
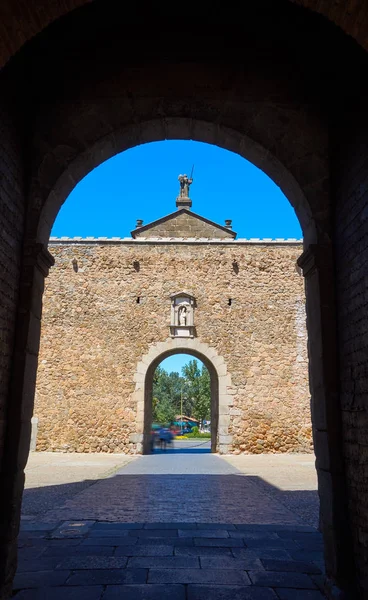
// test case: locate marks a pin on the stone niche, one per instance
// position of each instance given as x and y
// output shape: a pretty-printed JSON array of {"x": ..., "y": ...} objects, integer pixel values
[{"x": 182, "y": 315}]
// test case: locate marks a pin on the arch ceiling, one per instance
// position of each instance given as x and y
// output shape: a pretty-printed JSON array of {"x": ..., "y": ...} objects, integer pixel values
[{"x": 20, "y": 20}]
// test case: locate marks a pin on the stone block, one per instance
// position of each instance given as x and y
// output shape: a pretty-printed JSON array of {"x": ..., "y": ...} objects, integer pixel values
[
  {"x": 40, "y": 579},
  {"x": 295, "y": 566},
  {"x": 289, "y": 594},
  {"x": 107, "y": 576},
  {"x": 203, "y": 551},
  {"x": 219, "y": 543},
  {"x": 34, "y": 429},
  {"x": 229, "y": 562},
  {"x": 146, "y": 592},
  {"x": 205, "y": 533},
  {"x": 270, "y": 543},
  {"x": 80, "y": 563},
  {"x": 154, "y": 533},
  {"x": 114, "y": 526},
  {"x": 145, "y": 550},
  {"x": 187, "y": 576},
  {"x": 43, "y": 563},
  {"x": 281, "y": 579},
  {"x": 170, "y": 525},
  {"x": 223, "y": 526},
  {"x": 72, "y": 529},
  {"x": 136, "y": 438},
  {"x": 109, "y": 541},
  {"x": 228, "y": 592},
  {"x": 171, "y": 541},
  {"x": 164, "y": 562},
  {"x": 225, "y": 439},
  {"x": 63, "y": 593}
]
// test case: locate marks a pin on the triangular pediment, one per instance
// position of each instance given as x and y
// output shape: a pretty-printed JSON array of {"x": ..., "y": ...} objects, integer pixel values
[{"x": 183, "y": 223}]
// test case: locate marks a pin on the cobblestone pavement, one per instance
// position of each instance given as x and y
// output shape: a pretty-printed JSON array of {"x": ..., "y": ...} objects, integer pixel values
[
  {"x": 178, "y": 526},
  {"x": 53, "y": 477}
]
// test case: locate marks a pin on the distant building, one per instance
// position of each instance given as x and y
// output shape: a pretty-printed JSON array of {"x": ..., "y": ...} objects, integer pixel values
[{"x": 114, "y": 308}]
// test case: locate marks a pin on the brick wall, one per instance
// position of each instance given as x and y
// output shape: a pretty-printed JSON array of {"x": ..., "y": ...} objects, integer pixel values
[
  {"x": 352, "y": 261},
  {"x": 11, "y": 230}
]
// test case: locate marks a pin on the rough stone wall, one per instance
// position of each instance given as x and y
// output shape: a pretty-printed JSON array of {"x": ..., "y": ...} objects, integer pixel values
[
  {"x": 94, "y": 332},
  {"x": 351, "y": 262},
  {"x": 184, "y": 225}
]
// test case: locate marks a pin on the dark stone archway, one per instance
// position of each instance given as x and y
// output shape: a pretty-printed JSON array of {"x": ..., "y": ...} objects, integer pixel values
[{"x": 81, "y": 91}]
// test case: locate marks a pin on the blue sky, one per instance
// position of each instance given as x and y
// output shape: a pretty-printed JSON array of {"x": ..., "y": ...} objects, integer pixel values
[
  {"x": 142, "y": 183},
  {"x": 177, "y": 361}
]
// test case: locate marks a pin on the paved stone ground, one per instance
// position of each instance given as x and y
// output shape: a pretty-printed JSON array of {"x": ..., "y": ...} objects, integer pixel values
[
  {"x": 173, "y": 525},
  {"x": 54, "y": 477}
]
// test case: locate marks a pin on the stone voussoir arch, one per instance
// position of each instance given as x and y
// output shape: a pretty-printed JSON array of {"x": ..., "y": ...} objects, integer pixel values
[{"x": 222, "y": 390}]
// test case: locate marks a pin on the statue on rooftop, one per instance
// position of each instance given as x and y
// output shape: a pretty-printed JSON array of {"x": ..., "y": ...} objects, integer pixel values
[{"x": 185, "y": 182}]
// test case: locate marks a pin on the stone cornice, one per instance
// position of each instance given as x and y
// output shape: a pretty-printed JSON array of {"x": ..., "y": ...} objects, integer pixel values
[
  {"x": 178, "y": 241},
  {"x": 37, "y": 255},
  {"x": 316, "y": 256}
]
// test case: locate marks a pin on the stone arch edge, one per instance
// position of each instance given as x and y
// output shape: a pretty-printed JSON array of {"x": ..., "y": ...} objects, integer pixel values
[
  {"x": 168, "y": 128},
  {"x": 225, "y": 389}
]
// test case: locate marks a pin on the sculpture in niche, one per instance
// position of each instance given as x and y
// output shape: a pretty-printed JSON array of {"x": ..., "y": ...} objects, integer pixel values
[{"x": 182, "y": 315}]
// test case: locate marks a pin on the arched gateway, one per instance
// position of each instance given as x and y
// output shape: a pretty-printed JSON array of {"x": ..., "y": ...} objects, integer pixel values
[
  {"x": 261, "y": 78},
  {"x": 221, "y": 390}
]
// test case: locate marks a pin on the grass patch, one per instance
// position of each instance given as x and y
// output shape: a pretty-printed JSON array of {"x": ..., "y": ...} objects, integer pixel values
[{"x": 200, "y": 436}]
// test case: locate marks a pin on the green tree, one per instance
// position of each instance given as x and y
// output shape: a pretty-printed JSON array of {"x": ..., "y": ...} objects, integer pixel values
[
  {"x": 166, "y": 395},
  {"x": 193, "y": 388},
  {"x": 198, "y": 390},
  {"x": 202, "y": 410}
]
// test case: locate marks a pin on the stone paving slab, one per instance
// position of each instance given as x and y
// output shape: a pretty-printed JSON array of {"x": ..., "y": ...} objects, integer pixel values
[
  {"x": 227, "y": 592},
  {"x": 219, "y": 577},
  {"x": 287, "y": 594},
  {"x": 62, "y": 593},
  {"x": 36, "y": 579},
  {"x": 74, "y": 563},
  {"x": 163, "y": 562},
  {"x": 204, "y": 565},
  {"x": 229, "y": 562},
  {"x": 142, "y": 550},
  {"x": 290, "y": 565},
  {"x": 64, "y": 551},
  {"x": 109, "y": 541},
  {"x": 44, "y": 563},
  {"x": 280, "y": 579},
  {"x": 145, "y": 592},
  {"x": 272, "y": 553},
  {"x": 218, "y": 543},
  {"x": 107, "y": 576},
  {"x": 112, "y": 528},
  {"x": 200, "y": 551},
  {"x": 210, "y": 533}
]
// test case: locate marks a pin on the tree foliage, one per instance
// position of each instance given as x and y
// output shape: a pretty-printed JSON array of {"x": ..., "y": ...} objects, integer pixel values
[
  {"x": 166, "y": 395},
  {"x": 193, "y": 386}
]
